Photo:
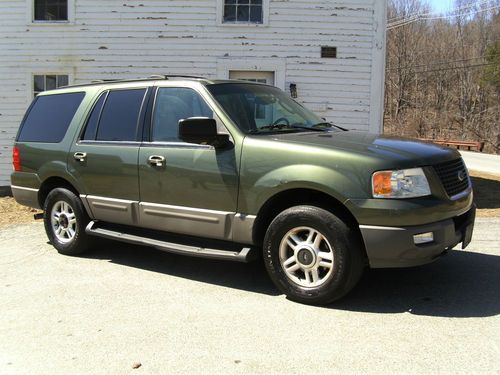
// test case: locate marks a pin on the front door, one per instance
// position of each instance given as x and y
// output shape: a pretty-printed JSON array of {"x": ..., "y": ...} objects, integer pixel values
[{"x": 185, "y": 188}]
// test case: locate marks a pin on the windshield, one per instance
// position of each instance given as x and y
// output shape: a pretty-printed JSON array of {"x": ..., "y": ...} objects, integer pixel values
[{"x": 260, "y": 109}]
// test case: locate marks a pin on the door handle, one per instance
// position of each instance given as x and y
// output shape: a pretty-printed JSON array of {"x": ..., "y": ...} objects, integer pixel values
[
  {"x": 80, "y": 156},
  {"x": 156, "y": 160}
]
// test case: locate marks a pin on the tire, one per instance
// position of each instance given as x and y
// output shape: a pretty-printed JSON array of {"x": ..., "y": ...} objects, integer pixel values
[
  {"x": 323, "y": 256},
  {"x": 65, "y": 220}
]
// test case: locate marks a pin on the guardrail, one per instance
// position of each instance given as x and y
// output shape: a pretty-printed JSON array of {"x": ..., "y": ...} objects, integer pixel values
[{"x": 460, "y": 145}]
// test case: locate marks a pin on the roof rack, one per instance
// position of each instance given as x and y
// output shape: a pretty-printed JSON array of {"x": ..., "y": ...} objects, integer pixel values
[
  {"x": 167, "y": 76},
  {"x": 151, "y": 77}
]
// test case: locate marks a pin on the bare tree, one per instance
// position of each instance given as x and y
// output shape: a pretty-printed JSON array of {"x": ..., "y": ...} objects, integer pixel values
[{"x": 436, "y": 69}]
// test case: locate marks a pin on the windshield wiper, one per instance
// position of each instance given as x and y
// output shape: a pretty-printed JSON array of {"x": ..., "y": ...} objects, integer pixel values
[
  {"x": 285, "y": 126},
  {"x": 328, "y": 125}
]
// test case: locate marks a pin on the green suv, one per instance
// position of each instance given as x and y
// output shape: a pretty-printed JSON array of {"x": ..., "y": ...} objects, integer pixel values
[{"x": 231, "y": 170}]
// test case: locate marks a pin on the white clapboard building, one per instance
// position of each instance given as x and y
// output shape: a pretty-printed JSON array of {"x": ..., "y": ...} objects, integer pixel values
[{"x": 330, "y": 53}]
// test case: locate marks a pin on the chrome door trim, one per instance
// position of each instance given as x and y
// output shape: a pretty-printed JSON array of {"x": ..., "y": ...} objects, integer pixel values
[
  {"x": 199, "y": 222},
  {"x": 186, "y": 220},
  {"x": 206, "y": 219},
  {"x": 243, "y": 228},
  {"x": 113, "y": 210}
]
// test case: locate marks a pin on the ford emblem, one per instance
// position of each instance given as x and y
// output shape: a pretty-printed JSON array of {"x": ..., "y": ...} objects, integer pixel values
[{"x": 461, "y": 176}]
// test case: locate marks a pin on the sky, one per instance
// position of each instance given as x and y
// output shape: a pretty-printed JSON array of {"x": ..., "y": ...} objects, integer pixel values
[{"x": 441, "y": 5}]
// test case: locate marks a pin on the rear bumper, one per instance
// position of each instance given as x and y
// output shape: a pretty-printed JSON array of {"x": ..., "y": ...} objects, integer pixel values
[
  {"x": 394, "y": 246},
  {"x": 25, "y": 196}
]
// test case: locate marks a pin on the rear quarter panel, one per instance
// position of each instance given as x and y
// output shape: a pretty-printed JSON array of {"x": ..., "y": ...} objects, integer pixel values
[{"x": 41, "y": 160}]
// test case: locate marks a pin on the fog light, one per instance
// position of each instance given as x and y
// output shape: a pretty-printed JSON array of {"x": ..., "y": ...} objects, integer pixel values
[{"x": 422, "y": 238}]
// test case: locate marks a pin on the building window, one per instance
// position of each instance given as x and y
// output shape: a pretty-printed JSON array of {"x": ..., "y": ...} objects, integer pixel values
[
  {"x": 243, "y": 11},
  {"x": 50, "y": 10},
  {"x": 48, "y": 82},
  {"x": 329, "y": 52}
]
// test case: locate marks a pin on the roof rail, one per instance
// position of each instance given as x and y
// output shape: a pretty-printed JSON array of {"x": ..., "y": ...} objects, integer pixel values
[
  {"x": 152, "y": 77},
  {"x": 167, "y": 76}
]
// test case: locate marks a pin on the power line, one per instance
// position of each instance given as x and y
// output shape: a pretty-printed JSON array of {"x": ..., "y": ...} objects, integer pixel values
[
  {"x": 454, "y": 68},
  {"x": 441, "y": 63},
  {"x": 415, "y": 18},
  {"x": 454, "y": 10},
  {"x": 451, "y": 13}
]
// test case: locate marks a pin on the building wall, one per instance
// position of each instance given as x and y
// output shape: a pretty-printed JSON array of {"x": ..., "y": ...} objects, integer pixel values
[{"x": 109, "y": 39}]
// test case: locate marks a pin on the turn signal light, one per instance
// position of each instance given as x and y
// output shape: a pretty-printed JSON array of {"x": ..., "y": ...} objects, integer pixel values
[
  {"x": 382, "y": 184},
  {"x": 16, "y": 159}
]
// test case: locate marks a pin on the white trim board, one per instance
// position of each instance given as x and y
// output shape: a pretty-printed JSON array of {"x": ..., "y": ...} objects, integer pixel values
[
  {"x": 378, "y": 67},
  {"x": 276, "y": 65}
]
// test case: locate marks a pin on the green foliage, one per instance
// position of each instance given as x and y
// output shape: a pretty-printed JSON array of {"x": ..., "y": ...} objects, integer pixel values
[{"x": 491, "y": 74}]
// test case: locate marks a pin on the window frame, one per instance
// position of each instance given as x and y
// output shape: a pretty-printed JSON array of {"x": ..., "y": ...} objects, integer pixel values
[
  {"x": 153, "y": 110},
  {"x": 30, "y": 79},
  {"x": 89, "y": 115},
  {"x": 30, "y": 4},
  {"x": 57, "y": 75},
  {"x": 147, "y": 131},
  {"x": 220, "y": 16},
  {"x": 141, "y": 119}
]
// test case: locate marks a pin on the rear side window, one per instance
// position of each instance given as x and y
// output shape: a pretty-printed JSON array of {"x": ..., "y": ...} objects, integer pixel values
[
  {"x": 120, "y": 115},
  {"x": 93, "y": 121},
  {"x": 49, "y": 117}
]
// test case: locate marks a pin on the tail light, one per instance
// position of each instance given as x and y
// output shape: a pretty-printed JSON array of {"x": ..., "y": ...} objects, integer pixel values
[{"x": 16, "y": 159}]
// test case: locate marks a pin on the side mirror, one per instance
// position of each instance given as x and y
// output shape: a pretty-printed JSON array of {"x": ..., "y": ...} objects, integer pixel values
[{"x": 202, "y": 130}]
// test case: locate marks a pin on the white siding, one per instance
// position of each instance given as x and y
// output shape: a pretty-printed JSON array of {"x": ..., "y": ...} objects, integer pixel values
[{"x": 136, "y": 38}]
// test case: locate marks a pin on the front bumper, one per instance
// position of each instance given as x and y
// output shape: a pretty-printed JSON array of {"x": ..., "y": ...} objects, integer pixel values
[{"x": 394, "y": 246}]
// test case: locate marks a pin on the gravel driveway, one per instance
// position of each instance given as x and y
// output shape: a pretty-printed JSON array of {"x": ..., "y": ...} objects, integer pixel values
[{"x": 122, "y": 305}]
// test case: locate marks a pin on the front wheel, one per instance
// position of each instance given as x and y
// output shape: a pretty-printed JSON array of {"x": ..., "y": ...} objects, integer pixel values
[
  {"x": 312, "y": 256},
  {"x": 65, "y": 220}
]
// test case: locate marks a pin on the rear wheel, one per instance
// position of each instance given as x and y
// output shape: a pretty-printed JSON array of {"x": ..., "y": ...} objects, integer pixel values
[
  {"x": 312, "y": 256},
  {"x": 65, "y": 220}
]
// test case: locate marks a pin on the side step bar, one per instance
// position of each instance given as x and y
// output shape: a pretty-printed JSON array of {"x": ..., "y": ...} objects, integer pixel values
[{"x": 245, "y": 255}]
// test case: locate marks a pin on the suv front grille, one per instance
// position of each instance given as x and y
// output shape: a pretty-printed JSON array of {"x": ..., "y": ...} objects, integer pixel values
[{"x": 453, "y": 176}]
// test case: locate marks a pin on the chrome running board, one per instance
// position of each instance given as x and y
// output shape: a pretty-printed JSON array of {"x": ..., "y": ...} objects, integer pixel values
[{"x": 135, "y": 236}]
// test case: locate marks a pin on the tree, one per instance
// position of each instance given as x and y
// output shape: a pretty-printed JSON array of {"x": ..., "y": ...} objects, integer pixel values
[{"x": 443, "y": 73}]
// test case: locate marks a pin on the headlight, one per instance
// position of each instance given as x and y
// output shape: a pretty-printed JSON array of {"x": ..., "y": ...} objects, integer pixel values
[{"x": 406, "y": 183}]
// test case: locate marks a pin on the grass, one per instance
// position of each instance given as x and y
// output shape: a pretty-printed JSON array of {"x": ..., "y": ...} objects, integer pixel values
[{"x": 486, "y": 195}]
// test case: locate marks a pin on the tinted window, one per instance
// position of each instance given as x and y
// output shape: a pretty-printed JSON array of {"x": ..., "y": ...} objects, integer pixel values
[
  {"x": 49, "y": 117},
  {"x": 91, "y": 128},
  {"x": 120, "y": 115},
  {"x": 173, "y": 104}
]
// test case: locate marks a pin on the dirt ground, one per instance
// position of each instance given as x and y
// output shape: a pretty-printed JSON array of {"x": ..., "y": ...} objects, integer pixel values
[
  {"x": 13, "y": 213},
  {"x": 486, "y": 195}
]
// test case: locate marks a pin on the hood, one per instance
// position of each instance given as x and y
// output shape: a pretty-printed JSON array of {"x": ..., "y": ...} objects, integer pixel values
[{"x": 377, "y": 146}]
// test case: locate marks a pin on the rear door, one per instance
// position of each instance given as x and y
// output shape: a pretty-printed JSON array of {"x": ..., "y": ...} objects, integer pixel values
[
  {"x": 104, "y": 157},
  {"x": 185, "y": 188}
]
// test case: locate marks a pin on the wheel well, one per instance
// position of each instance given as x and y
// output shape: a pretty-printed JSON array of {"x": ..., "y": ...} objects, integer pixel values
[
  {"x": 51, "y": 183},
  {"x": 295, "y": 197}
]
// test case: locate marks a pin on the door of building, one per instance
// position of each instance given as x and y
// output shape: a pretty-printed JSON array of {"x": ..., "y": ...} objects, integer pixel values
[{"x": 253, "y": 76}]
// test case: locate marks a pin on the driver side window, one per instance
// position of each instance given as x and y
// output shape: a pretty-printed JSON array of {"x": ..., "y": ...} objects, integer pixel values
[{"x": 173, "y": 104}]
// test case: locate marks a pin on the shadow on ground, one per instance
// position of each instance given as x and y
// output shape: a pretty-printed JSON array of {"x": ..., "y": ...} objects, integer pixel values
[
  {"x": 251, "y": 277},
  {"x": 486, "y": 192},
  {"x": 460, "y": 285}
]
